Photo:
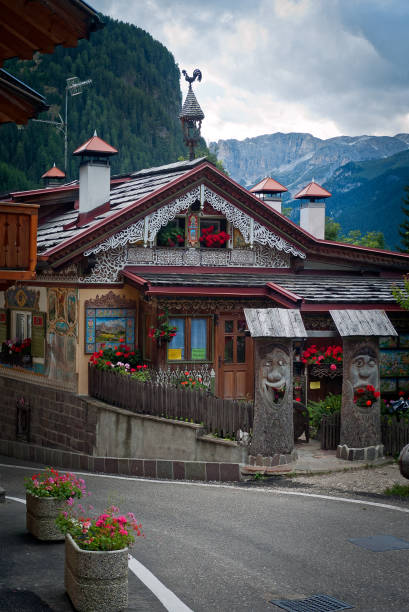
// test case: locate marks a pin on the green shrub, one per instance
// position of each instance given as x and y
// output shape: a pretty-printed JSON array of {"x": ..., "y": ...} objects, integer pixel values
[{"x": 329, "y": 405}]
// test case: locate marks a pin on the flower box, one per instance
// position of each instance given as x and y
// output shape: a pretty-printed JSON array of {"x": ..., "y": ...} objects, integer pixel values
[
  {"x": 41, "y": 513},
  {"x": 94, "y": 579}
]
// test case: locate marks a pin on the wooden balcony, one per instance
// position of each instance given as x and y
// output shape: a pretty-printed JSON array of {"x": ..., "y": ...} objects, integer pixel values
[{"x": 18, "y": 241}]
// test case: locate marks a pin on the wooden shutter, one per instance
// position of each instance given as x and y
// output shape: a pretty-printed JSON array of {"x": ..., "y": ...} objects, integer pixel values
[
  {"x": 38, "y": 334},
  {"x": 3, "y": 325}
]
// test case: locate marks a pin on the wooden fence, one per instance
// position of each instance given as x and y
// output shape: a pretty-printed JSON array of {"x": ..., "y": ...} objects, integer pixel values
[
  {"x": 395, "y": 434},
  {"x": 224, "y": 417},
  {"x": 330, "y": 431}
]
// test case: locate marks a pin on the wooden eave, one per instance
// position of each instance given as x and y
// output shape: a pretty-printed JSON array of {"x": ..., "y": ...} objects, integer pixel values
[
  {"x": 39, "y": 25},
  {"x": 224, "y": 186},
  {"x": 18, "y": 102}
]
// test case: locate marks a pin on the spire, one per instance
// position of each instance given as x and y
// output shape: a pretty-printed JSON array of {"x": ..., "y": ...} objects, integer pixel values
[{"x": 191, "y": 115}]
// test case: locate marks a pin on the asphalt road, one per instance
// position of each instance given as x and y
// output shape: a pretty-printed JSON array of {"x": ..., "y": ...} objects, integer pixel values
[{"x": 224, "y": 548}]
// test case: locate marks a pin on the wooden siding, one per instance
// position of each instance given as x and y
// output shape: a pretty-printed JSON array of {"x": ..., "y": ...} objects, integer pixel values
[
  {"x": 362, "y": 323},
  {"x": 18, "y": 241},
  {"x": 275, "y": 323}
]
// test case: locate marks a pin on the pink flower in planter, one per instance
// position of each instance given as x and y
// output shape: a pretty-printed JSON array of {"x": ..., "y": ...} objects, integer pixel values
[{"x": 332, "y": 366}]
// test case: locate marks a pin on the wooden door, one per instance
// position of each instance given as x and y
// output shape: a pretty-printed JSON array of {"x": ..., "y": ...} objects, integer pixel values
[{"x": 234, "y": 358}]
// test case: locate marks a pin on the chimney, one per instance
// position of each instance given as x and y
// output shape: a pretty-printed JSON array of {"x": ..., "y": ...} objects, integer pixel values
[
  {"x": 53, "y": 177},
  {"x": 269, "y": 191},
  {"x": 312, "y": 211},
  {"x": 95, "y": 177}
]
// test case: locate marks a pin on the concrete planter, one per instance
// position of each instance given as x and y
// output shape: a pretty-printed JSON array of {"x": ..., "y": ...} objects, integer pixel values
[
  {"x": 41, "y": 513},
  {"x": 96, "y": 580}
]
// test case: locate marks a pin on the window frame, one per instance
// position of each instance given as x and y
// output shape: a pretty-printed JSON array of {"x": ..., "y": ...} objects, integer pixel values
[{"x": 188, "y": 344}]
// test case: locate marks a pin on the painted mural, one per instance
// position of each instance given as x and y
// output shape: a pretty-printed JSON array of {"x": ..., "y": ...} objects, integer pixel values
[{"x": 62, "y": 332}]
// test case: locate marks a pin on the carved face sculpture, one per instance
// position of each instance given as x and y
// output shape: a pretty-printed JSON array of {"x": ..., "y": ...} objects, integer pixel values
[
  {"x": 274, "y": 375},
  {"x": 363, "y": 370}
]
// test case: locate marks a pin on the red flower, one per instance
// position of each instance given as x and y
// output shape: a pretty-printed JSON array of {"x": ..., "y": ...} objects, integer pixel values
[
  {"x": 118, "y": 353},
  {"x": 368, "y": 403}
]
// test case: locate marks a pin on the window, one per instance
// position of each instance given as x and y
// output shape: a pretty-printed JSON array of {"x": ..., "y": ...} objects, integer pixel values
[
  {"x": 21, "y": 325},
  {"x": 192, "y": 341}
]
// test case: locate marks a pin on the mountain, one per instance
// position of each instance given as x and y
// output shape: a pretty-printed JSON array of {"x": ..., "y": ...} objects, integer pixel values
[
  {"x": 133, "y": 103},
  {"x": 365, "y": 174},
  {"x": 368, "y": 195}
]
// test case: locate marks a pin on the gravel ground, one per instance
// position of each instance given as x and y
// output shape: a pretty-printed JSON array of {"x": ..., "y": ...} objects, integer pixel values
[
  {"x": 371, "y": 480},
  {"x": 367, "y": 483}
]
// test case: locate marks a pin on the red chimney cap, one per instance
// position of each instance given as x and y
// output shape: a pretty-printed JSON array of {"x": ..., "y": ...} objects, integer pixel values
[
  {"x": 96, "y": 146},
  {"x": 268, "y": 185},
  {"x": 312, "y": 190},
  {"x": 54, "y": 172}
]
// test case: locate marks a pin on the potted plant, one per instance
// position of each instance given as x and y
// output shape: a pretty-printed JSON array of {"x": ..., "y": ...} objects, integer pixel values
[
  {"x": 96, "y": 557},
  {"x": 45, "y": 494},
  {"x": 164, "y": 332},
  {"x": 325, "y": 361}
]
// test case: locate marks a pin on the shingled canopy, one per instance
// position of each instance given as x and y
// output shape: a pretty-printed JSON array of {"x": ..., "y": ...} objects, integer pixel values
[
  {"x": 274, "y": 323},
  {"x": 362, "y": 323}
]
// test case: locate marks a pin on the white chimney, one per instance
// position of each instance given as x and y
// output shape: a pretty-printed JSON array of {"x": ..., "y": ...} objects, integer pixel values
[
  {"x": 312, "y": 212},
  {"x": 95, "y": 174},
  {"x": 95, "y": 184},
  {"x": 312, "y": 218}
]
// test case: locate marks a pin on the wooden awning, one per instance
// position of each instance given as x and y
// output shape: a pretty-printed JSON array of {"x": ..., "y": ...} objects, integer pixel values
[
  {"x": 275, "y": 323},
  {"x": 27, "y": 27},
  {"x": 362, "y": 323}
]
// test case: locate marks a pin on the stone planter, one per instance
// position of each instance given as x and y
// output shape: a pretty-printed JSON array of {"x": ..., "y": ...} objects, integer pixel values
[
  {"x": 41, "y": 513},
  {"x": 96, "y": 580}
]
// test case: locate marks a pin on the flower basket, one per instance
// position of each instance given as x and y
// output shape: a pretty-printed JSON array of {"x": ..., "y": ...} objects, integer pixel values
[
  {"x": 96, "y": 579},
  {"x": 325, "y": 370},
  {"x": 41, "y": 513}
]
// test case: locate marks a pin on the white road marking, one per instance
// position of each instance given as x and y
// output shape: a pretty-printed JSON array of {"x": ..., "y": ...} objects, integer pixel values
[
  {"x": 17, "y": 499},
  {"x": 169, "y": 600},
  {"x": 221, "y": 486}
]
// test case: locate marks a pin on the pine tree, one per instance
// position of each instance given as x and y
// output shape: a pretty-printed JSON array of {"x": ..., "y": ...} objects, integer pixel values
[{"x": 404, "y": 227}]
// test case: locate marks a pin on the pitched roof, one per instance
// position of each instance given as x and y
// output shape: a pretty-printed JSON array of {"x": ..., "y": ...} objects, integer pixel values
[
  {"x": 53, "y": 172},
  {"x": 51, "y": 233},
  {"x": 362, "y": 323},
  {"x": 191, "y": 107},
  {"x": 268, "y": 185},
  {"x": 314, "y": 289},
  {"x": 312, "y": 190},
  {"x": 95, "y": 146}
]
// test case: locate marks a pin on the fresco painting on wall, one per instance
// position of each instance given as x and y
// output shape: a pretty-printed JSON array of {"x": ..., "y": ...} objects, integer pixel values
[{"x": 62, "y": 335}]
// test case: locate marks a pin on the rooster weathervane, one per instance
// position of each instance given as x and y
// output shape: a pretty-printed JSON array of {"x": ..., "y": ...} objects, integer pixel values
[{"x": 197, "y": 74}]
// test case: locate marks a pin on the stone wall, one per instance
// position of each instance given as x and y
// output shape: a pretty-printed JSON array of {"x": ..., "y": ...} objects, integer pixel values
[
  {"x": 58, "y": 419},
  {"x": 78, "y": 432}
]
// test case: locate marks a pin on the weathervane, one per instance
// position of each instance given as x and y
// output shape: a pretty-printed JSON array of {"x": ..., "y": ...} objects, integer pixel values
[
  {"x": 191, "y": 115},
  {"x": 197, "y": 74}
]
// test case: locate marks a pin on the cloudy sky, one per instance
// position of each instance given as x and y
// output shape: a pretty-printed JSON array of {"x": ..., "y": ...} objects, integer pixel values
[{"x": 328, "y": 67}]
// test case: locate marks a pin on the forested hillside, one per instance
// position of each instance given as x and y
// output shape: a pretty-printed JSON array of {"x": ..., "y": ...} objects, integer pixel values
[{"x": 133, "y": 103}]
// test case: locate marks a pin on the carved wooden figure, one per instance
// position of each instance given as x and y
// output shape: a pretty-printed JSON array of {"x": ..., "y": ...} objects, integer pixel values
[
  {"x": 360, "y": 412},
  {"x": 273, "y": 407}
]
